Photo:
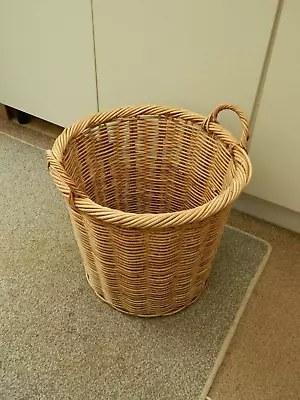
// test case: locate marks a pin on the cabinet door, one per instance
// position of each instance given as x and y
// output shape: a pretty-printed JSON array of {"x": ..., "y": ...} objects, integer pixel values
[
  {"x": 193, "y": 54},
  {"x": 47, "y": 58},
  {"x": 276, "y": 141}
]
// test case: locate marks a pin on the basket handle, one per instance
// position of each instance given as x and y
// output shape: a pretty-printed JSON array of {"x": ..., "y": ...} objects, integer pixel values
[
  {"x": 62, "y": 179},
  {"x": 214, "y": 115}
]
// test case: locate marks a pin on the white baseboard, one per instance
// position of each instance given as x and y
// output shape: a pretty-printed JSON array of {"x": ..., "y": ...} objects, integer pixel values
[{"x": 268, "y": 211}]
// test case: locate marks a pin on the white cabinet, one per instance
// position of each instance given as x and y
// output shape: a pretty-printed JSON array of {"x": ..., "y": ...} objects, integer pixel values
[
  {"x": 193, "y": 54},
  {"x": 47, "y": 58},
  {"x": 275, "y": 148}
]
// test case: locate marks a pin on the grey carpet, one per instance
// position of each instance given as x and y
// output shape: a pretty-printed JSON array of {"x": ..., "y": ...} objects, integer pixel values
[{"x": 59, "y": 341}]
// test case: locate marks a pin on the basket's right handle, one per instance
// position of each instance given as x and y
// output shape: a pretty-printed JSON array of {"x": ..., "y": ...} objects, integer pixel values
[{"x": 245, "y": 134}]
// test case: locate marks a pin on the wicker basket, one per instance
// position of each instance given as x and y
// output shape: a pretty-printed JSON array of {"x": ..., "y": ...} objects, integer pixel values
[{"x": 149, "y": 190}]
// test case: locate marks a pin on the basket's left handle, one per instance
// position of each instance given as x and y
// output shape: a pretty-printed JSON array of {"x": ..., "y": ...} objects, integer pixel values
[
  {"x": 245, "y": 133},
  {"x": 62, "y": 179}
]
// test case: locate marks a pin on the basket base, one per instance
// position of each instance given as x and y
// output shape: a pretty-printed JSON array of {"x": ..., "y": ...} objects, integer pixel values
[{"x": 149, "y": 315}]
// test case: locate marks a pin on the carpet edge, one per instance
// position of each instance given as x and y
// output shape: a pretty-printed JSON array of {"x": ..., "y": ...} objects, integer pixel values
[{"x": 233, "y": 327}]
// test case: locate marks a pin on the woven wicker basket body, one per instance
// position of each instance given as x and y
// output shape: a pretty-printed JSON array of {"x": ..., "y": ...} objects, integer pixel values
[{"x": 149, "y": 190}]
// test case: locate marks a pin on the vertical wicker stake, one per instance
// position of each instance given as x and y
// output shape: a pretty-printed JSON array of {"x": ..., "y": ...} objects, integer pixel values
[{"x": 149, "y": 190}]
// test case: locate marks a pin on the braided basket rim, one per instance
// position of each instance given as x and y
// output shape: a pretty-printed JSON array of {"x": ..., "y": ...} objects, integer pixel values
[{"x": 86, "y": 205}]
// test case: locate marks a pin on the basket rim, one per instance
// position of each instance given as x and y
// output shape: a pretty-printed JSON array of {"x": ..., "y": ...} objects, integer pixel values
[{"x": 86, "y": 205}]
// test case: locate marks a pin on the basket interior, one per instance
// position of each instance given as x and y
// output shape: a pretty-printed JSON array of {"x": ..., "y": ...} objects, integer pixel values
[{"x": 149, "y": 164}]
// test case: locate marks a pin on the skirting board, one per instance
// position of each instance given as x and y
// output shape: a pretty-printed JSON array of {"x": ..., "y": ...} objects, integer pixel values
[
  {"x": 268, "y": 211},
  {"x": 4, "y": 112}
]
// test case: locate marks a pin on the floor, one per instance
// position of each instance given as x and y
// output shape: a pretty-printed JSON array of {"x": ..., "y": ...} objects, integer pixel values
[{"x": 263, "y": 360}]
